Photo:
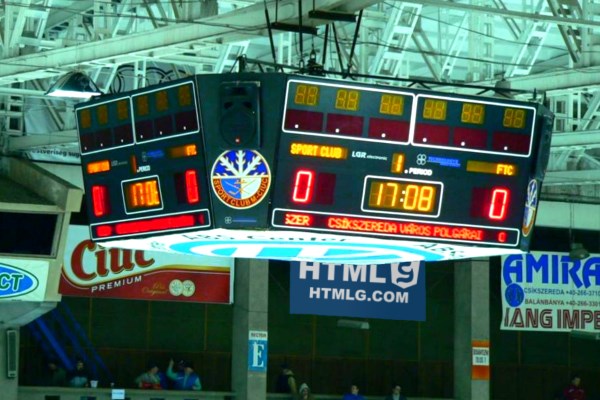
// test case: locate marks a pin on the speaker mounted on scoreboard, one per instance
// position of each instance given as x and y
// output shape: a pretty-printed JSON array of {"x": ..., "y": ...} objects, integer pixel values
[{"x": 240, "y": 114}]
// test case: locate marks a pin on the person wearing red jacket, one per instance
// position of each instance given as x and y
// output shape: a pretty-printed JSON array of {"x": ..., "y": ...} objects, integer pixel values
[{"x": 574, "y": 390}]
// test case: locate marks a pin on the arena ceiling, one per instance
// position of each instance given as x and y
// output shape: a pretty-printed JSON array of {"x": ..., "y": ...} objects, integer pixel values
[{"x": 547, "y": 50}]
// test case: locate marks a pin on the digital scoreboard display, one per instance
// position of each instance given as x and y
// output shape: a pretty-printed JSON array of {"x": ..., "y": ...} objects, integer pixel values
[{"x": 277, "y": 152}]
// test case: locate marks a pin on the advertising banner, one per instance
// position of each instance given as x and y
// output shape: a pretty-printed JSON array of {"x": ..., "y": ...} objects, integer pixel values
[
  {"x": 545, "y": 291},
  {"x": 386, "y": 291},
  {"x": 23, "y": 280},
  {"x": 93, "y": 271}
]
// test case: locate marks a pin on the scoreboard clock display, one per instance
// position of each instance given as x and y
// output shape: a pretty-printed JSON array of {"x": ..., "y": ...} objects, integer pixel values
[{"x": 276, "y": 152}]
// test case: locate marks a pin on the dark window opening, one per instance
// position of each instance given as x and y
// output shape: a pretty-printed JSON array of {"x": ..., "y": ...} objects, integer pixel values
[{"x": 27, "y": 233}]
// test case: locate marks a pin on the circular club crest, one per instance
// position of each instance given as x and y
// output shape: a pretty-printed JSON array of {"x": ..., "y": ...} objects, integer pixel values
[
  {"x": 240, "y": 178},
  {"x": 530, "y": 207}
]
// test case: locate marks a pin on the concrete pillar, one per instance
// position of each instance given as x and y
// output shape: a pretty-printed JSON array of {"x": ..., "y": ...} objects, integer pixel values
[
  {"x": 471, "y": 323},
  {"x": 250, "y": 313},
  {"x": 10, "y": 386}
]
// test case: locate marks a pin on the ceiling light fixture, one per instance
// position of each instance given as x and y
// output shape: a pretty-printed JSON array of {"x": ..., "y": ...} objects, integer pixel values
[
  {"x": 332, "y": 15},
  {"x": 75, "y": 84},
  {"x": 351, "y": 323},
  {"x": 578, "y": 252}
]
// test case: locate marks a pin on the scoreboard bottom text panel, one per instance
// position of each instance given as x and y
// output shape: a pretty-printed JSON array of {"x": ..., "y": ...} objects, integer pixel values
[{"x": 392, "y": 228}]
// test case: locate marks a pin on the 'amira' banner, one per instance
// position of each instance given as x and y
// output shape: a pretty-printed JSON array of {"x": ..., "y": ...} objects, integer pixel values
[{"x": 544, "y": 291}]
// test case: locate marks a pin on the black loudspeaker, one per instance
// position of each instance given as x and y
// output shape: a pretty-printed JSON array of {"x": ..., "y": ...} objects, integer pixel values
[
  {"x": 12, "y": 354},
  {"x": 240, "y": 114}
]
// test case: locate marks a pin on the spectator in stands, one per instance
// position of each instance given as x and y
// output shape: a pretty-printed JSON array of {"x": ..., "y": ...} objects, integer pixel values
[
  {"x": 79, "y": 377},
  {"x": 151, "y": 379},
  {"x": 304, "y": 392},
  {"x": 353, "y": 395},
  {"x": 396, "y": 394},
  {"x": 184, "y": 378},
  {"x": 56, "y": 375},
  {"x": 574, "y": 390},
  {"x": 286, "y": 382}
]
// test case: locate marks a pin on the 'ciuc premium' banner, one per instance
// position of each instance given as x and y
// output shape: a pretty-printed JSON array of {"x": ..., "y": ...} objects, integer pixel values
[
  {"x": 544, "y": 291},
  {"x": 93, "y": 271},
  {"x": 387, "y": 291}
]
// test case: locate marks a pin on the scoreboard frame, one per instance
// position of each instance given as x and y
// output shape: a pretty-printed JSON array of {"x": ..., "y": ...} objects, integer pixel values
[{"x": 432, "y": 162}]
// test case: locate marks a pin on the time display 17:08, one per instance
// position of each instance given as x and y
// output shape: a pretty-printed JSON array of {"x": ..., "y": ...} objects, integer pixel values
[{"x": 402, "y": 196}]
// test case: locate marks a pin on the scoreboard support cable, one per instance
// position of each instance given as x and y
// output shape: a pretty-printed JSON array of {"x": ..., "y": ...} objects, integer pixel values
[{"x": 300, "y": 153}]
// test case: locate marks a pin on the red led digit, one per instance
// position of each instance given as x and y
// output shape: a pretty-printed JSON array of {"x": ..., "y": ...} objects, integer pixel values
[
  {"x": 499, "y": 204},
  {"x": 502, "y": 237},
  {"x": 191, "y": 186},
  {"x": 100, "y": 200},
  {"x": 303, "y": 186}
]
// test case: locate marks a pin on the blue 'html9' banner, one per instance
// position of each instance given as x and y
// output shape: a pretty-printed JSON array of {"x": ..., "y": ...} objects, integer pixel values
[{"x": 386, "y": 291}]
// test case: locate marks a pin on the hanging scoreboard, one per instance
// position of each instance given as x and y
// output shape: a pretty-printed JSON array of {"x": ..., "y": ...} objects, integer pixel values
[{"x": 275, "y": 152}]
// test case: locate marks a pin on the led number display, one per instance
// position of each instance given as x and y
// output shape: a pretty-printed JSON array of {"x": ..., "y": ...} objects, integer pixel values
[
  {"x": 402, "y": 196},
  {"x": 472, "y": 113},
  {"x": 312, "y": 187},
  {"x": 514, "y": 118},
  {"x": 347, "y": 100},
  {"x": 391, "y": 104},
  {"x": 397, "y": 163},
  {"x": 84, "y": 117},
  {"x": 142, "y": 194},
  {"x": 435, "y": 109},
  {"x": 307, "y": 95},
  {"x": 142, "y": 107}
]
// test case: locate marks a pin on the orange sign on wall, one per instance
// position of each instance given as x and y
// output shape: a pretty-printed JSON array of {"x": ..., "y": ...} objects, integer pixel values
[{"x": 480, "y": 365}]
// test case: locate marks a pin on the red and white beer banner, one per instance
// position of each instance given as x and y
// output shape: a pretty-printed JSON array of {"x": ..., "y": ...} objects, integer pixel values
[{"x": 90, "y": 270}]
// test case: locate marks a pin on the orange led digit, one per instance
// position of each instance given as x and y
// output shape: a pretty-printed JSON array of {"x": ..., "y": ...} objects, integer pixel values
[
  {"x": 123, "y": 109},
  {"x": 346, "y": 99},
  {"x": 514, "y": 118},
  {"x": 85, "y": 118},
  {"x": 102, "y": 114},
  {"x": 472, "y": 113},
  {"x": 307, "y": 95},
  {"x": 435, "y": 109},
  {"x": 162, "y": 100},
  {"x": 141, "y": 104},
  {"x": 184, "y": 95},
  {"x": 398, "y": 163},
  {"x": 391, "y": 104}
]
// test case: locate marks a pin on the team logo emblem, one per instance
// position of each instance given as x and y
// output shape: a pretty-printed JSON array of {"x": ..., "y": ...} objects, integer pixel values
[
  {"x": 240, "y": 178},
  {"x": 530, "y": 207}
]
